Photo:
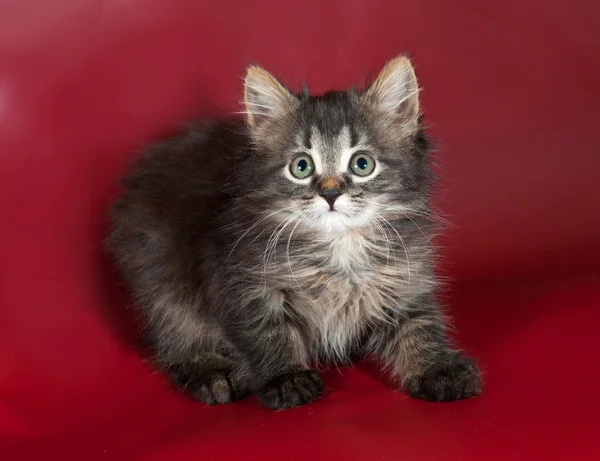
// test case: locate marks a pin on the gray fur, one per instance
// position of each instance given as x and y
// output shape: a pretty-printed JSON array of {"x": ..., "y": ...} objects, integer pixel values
[{"x": 245, "y": 276}]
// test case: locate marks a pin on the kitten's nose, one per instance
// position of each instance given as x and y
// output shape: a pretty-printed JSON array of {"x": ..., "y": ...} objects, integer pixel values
[
  {"x": 330, "y": 196},
  {"x": 330, "y": 189}
]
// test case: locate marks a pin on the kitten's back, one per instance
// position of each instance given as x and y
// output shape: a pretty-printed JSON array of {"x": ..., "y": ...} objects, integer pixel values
[{"x": 174, "y": 195}]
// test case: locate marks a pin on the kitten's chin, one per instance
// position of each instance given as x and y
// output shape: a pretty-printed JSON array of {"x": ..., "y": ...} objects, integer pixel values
[
  {"x": 332, "y": 222},
  {"x": 342, "y": 219},
  {"x": 335, "y": 222}
]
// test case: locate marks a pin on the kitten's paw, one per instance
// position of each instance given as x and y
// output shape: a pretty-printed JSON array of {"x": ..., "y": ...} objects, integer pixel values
[
  {"x": 454, "y": 377},
  {"x": 292, "y": 390},
  {"x": 215, "y": 386}
]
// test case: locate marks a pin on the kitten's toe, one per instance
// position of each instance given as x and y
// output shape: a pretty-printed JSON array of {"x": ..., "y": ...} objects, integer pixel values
[
  {"x": 212, "y": 387},
  {"x": 291, "y": 390},
  {"x": 215, "y": 387},
  {"x": 453, "y": 377}
]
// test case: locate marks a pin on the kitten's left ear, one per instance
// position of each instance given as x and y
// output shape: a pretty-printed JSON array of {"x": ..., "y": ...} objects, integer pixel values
[
  {"x": 395, "y": 92},
  {"x": 265, "y": 98}
]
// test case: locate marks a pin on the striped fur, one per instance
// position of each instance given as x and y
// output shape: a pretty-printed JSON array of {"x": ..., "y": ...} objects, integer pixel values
[{"x": 249, "y": 274}]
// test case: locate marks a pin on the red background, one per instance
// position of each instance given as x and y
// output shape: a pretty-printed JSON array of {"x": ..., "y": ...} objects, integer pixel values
[{"x": 511, "y": 93}]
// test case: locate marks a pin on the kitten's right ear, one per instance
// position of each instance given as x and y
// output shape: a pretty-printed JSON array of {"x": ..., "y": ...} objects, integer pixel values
[{"x": 265, "y": 97}]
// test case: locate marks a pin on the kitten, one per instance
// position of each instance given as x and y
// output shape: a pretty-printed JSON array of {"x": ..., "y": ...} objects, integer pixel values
[{"x": 258, "y": 248}]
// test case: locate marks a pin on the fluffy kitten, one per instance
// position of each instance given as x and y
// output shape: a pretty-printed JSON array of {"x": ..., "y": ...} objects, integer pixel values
[{"x": 257, "y": 248}]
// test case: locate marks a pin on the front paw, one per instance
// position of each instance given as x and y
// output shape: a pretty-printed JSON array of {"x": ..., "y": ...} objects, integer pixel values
[
  {"x": 291, "y": 390},
  {"x": 452, "y": 377}
]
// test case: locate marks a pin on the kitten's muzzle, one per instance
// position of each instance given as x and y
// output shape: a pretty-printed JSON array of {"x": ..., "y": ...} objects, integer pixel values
[{"x": 330, "y": 189}]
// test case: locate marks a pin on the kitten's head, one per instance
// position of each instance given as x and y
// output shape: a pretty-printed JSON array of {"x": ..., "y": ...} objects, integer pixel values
[{"x": 340, "y": 160}]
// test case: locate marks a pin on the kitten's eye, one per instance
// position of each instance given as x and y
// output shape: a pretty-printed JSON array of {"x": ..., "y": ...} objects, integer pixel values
[
  {"x": 362, "y": 164},
  {"x": 302, "y": 166}
]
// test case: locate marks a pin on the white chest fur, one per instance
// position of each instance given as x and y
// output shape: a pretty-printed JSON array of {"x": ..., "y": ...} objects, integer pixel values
[{"x": 343, "y": 286}]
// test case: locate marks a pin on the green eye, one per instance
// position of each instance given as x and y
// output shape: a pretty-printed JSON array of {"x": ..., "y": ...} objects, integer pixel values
[
  {"x": 302, "y": 166},
  {"x": 362, "y": 164}
]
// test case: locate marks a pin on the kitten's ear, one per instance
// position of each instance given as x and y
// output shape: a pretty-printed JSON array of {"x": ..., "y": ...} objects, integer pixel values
[
  {"x": 265, "y": 97},
  {"x": 395, "y": 92}
]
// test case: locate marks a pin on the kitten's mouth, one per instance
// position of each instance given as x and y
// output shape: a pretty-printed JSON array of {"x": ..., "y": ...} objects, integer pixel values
[{"x": 338, "y": 213}]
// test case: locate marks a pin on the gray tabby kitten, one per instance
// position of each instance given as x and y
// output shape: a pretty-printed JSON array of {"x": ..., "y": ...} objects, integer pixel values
[{"x": 258, "y": 248}]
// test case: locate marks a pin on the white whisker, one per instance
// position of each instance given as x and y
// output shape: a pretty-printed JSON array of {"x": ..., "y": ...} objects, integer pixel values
[
  {"x": 253, "y": 226},
  {"x": 404, "y": 212},
  {"x": 271, "y": 246},
  {"x": 288, "y": 252},
  {"x": 406, "y": 251},
  {"x": 385, "y": 237}
]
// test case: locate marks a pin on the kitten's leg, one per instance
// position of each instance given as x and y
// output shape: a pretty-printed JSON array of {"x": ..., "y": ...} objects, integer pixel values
[
  {"x": 418, "y": 351},
  {"x": 195, "y": 354},
  {"x": 276, "y": 353}
]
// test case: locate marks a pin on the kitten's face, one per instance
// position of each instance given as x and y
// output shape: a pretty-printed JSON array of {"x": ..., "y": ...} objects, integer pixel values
[
  {"x": 333, "y": 177},
  {"x": 340, "y": 161}
]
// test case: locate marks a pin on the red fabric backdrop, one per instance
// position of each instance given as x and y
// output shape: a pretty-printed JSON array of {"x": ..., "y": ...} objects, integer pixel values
[{"x": 511, "y": 93}]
